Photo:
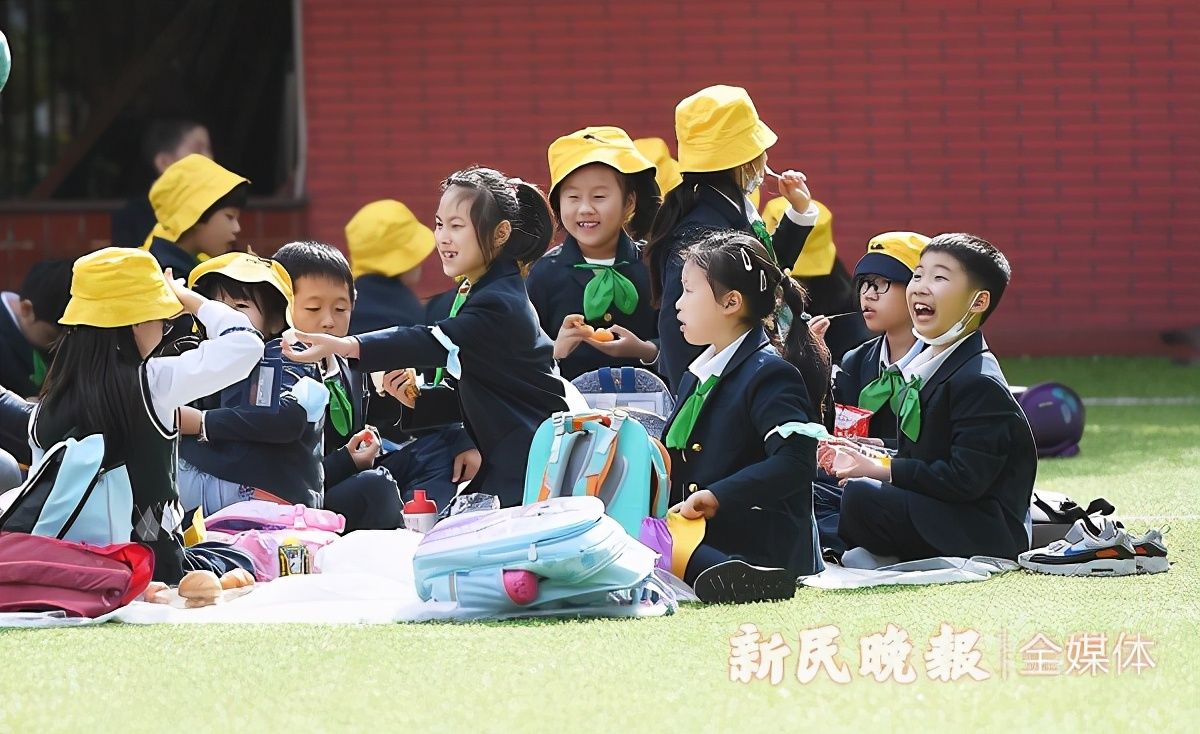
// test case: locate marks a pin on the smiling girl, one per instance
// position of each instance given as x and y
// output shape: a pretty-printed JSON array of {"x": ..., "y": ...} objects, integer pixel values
[
  {"x": 497, "y": 371},
  {"x": 604, "y": 193}
]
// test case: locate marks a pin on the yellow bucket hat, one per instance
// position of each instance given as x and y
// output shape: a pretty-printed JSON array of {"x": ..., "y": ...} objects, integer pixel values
[
  {"x": 820, "y": 252},
  {"x": 185, "y": 191},
  {"x": 384, "y": 238},
  {"x": 118, "y": 286},
  {"x": 718, "y": 128},
  {"x": 246, "y": 268},
  {"x": 894, "y": 255},
  {"x": 609, "y": 145},
  {"x": 666, "y": 168}
]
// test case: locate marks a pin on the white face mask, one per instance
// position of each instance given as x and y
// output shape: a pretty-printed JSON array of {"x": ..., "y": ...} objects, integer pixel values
[
  {"x": 954, "y": 333},
  {"x": 753, "y": 184}
]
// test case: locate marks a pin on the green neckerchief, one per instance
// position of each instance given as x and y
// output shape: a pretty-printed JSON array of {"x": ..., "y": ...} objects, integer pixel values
[
  {"x": 460, "y": 298},
  {"x": 760, "y": 231},
  {"x": 39, "y": 369},
  {"x": 341, "y": 414},
  {"x": 685, "y": 421},
  {"x": 904, "y": 398},
  {"x": 607, "y": 287}
]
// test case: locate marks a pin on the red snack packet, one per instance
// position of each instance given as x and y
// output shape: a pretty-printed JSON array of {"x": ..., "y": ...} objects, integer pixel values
[{"x": 851, "y": 421}]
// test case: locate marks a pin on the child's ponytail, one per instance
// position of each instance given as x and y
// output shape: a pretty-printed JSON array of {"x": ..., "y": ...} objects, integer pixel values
[
  {"x": 809, "y": 354},
  {"x": 533, "y": 227}
]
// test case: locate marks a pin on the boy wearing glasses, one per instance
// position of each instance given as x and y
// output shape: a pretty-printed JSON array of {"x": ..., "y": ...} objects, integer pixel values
[{"x": 869, "y": 375}]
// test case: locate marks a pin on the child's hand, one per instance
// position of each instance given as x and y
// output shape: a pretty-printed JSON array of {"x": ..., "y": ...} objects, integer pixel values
[
  {"x": 819, "y": 326},
  {"x": 317, "y": 346},
  {"x": 698, "y": 504},
  {"x": 364, "y": 449},
  {"x": 574, "y": 330},
  {"x": 189, "y": 421},
  {"x": 626, "y": 344},
  {"x": 793, "y": 186},
  {"x": 399, "y": 384},
  {"x": 466, "y": 466},
  {"x": 852, "y": 465},
  {"x": 191, "y": 300}
]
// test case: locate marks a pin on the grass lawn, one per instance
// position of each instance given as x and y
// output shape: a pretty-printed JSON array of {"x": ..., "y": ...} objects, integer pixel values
[{"x": 672, "y": 674}]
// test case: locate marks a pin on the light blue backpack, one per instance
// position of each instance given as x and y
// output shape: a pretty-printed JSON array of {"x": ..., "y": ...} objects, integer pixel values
[
  {"x": 602, "y": 454},
  {"x": 70, "y": 496},
  {"x": 563, "y": 557}
]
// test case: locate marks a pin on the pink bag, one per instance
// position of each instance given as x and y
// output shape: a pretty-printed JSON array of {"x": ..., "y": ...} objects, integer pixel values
[
  {"x": 258, "y": 528},
  {"x": 263, "y": 515},
  {"x": 40, "y": 574}
]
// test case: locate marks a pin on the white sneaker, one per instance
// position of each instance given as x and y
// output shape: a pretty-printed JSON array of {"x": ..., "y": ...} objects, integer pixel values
[
  {"x": 1085, "y": 551},
  {"x": 1150, "y": 552}
]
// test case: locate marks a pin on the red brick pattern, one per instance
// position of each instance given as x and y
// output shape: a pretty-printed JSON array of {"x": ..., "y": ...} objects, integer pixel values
[{"x": 1063, "y": 130}]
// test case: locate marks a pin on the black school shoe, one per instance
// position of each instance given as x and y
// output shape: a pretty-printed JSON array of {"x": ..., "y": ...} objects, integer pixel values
[{"x": 737, "y": 582}]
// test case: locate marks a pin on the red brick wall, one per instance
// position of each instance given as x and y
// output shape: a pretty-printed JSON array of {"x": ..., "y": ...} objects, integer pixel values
[
  {"x": 29, "y": 236},
  {"x": 1065, "y": 131}
]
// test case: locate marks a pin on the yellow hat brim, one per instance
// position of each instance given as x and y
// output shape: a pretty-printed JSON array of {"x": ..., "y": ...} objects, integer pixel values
[
  {"x": 118, "y": 286},
  {"x": 567, "y": 162},
  {"x": 246, "y": 268}
]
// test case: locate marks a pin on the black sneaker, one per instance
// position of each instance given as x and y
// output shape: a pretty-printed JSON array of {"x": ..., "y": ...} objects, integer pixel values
[{"x": 737, "y": 582}]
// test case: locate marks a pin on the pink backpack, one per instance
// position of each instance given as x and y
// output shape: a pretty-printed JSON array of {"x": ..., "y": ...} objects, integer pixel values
[
  {"x": 39, "y": 574},
  {"x": 258, "y": 528}
]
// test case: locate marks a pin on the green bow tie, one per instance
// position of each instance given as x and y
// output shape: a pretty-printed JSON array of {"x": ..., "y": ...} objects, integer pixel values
[
  {"x": 760, "y": 231},
  {"x": 460, "y": 298},
  {"x": 904, "y": 398},
  {"x": 607, "y": 287},
  {"x": 39, "y": 369},
  {"x": 685, "y": 421},
  {"x": 340, "y": 412}
]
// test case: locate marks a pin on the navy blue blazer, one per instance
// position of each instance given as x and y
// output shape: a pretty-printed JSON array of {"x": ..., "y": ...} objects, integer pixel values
[
  {"x": 278, "y": 451},
  {"x": 712, "y": 211},
  {"x": 16, "y": 357},
  {"x": 971, "y": 471},
  {"x": 508, "y": 386},
  {"x": 764, "y": 487},
  {"x": 171, "y": 255},
  {"x": 556, "y": 288},
  {"x": 858, "y": 368},
  {"x": 381, "y": 302}
]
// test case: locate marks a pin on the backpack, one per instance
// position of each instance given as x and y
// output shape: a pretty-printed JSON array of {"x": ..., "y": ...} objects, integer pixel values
[
  {"x": 258, "y": 528},
  {"x": 602, "y": 454},
  {"x": 40, "y": 574},
  {"x": 1052, "y": 515},
  {"x": 561, "y": 556},
  {"x": 609, "y": 388},
  {"x": 70, "y": 495}
]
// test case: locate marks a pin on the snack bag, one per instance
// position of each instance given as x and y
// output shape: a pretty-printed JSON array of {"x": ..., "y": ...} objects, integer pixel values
[{"x": 851, "y": 421}]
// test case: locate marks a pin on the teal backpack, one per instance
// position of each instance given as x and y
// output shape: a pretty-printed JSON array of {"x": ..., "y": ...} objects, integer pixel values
[{"x": 603, "y": 454}]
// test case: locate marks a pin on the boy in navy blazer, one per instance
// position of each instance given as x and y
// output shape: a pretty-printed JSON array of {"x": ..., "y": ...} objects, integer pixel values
[{"x": 961, "y": 482}]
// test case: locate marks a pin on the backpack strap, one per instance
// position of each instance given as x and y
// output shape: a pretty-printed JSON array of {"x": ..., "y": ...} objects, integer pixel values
[
  {"x": 605, "y": 376},
  {"x": 628, "y": 379},
  {"x": 660, "y": 469}
]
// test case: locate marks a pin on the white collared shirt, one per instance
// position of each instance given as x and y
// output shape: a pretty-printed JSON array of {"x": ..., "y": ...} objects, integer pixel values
[
  {"x": 711, "y": 362},
  {"x": 925, "y": 365},
  {"x": 806, "y": 218},
  {"x": 885, "y": 357},
  {"x": 602, "y": 261}
]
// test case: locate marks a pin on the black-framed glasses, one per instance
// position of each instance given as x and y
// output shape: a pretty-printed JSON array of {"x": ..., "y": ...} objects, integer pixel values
[{"x": 879, "y": 285}]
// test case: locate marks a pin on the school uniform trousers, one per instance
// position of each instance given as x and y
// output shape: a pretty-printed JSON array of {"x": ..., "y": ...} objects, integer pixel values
[{"x": 963, "y": 487}]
